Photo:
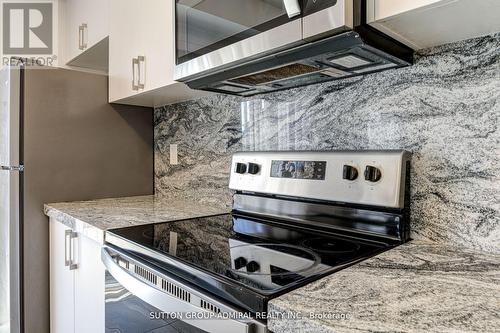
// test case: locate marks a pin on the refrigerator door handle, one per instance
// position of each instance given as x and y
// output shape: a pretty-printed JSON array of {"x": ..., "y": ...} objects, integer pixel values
[{"x": 19, "y": 168}]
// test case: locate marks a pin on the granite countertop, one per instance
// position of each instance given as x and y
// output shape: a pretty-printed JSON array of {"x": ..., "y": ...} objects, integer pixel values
[
  {"x": 416, "y": 287},
  {"x": 93, "y": 218}
]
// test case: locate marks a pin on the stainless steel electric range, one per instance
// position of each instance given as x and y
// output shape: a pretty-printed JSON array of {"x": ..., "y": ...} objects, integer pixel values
[{"x": 296, "y": 217}]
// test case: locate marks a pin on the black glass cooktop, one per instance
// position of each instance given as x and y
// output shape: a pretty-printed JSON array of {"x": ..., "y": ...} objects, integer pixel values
[{"x": 244, "y": 259}]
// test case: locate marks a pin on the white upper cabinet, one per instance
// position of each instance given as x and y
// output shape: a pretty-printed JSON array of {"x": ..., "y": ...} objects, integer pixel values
[
  {"x": 425, "y": 23},
  {"x": 85, "y": 33},
  {"x": 142, "y": 54},
  {"x": 123, "y": 49},
  {"x": 156, "y": 43}
]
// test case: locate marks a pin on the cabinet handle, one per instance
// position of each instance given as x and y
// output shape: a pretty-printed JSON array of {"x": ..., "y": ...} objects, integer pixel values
[
  {"x": 69, "y": 260},
  {"x": 141, "y": 59},
  {"x": 135, "y": 63},
  {"x": 84, "y": 28},
  {"x": 73, "y": 264},
  {"x": 80, "y": 33},
  {"x": 72, "y": 237}
]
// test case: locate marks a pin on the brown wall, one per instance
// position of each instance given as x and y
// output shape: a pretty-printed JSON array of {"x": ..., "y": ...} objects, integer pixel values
[{"x": 77, "y": 147}]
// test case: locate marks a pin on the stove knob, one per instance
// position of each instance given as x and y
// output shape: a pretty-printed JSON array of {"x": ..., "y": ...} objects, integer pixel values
[
  {"x": 241, "y": 168},
  {"x": 239, "y": 262},
  {"x": 253, "y": 168},
  {"x": 372, "y": 174},
  {"x": 252, "y": 266},
  {"x": 350, "y": 172}
]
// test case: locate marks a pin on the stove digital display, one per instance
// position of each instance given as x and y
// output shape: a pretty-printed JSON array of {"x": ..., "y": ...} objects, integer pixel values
[{"x": 314, "y": 170}]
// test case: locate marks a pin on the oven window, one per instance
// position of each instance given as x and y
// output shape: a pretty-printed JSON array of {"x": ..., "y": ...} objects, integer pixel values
[{"x": 203, "y": 26}]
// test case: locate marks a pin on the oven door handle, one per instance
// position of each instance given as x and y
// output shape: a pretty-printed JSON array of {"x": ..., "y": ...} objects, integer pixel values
[{"x": 168, "y": 304}]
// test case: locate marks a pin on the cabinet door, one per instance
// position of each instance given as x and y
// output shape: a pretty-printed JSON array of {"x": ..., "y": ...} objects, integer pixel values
[
  {"x": 144, "y": 29},
  {"x": 89, "y": 287},
  {"x": 92, "y": 16},
  {"x": 75, "y": 10},
  {"x": 157, "y": 43},
  {"x": 62, "y": 298},
  {"x": 124, "y": 45},
  {"x": 97, "y": 19}
]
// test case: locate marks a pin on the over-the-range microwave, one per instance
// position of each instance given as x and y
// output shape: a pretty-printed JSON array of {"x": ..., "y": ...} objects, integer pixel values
[{"x": 249, "y": 47}]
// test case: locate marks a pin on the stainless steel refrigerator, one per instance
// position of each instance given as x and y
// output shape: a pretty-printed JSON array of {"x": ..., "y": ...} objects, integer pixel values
[{"x": 60, "y": 140}]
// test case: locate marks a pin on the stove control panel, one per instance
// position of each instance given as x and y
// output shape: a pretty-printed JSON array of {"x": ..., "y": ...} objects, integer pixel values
[{"x": 363, "y": 177}]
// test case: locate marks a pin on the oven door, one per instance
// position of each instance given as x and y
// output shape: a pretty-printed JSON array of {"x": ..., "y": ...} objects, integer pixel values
[
  {"x": 140, "y": 299},
  {"x": 210, "y": 34},
  {"x": 127, "y": 313}
]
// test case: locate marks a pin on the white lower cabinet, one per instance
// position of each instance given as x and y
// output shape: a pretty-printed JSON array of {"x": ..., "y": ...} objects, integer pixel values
[
  {"x": 76, "y": 282},
  {"x": 62, "y": 282}
]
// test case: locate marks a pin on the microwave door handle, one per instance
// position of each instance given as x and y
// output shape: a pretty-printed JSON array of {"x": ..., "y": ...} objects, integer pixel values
[{"x": 292, "y": 8}]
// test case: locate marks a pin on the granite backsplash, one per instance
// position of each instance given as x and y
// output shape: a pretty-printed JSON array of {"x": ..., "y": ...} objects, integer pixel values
[{"x": 445, "y": 110}]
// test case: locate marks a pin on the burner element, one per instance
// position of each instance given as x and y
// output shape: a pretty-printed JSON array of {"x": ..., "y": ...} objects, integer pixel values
[
  {"x": 330, "y": 245},
  {"x": 262, "y": 257}
]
